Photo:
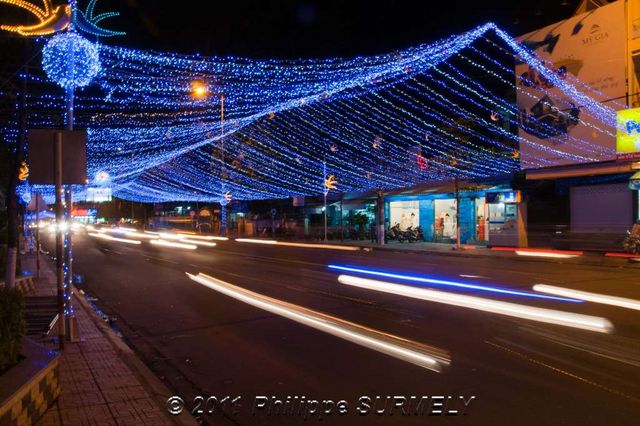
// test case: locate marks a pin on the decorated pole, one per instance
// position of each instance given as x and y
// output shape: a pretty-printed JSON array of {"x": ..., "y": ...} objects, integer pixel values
[{"x": 71, "y": 61}]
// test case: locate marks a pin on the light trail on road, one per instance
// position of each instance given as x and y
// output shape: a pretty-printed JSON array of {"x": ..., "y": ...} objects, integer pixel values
[
  {"x": 110, "y": 238},
  {"x": 171, "y": 244},
  {"x": 407, "y": 350},
  {"x": 435, "y": 281},
  {"x": 621, "y": 302},
  {"x": 302, "y": 245},
  {"x": 567, "y": 319}
]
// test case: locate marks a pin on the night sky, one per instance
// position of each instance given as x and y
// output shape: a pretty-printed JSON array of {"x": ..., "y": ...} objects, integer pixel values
[{"x": 308, "y": 28}]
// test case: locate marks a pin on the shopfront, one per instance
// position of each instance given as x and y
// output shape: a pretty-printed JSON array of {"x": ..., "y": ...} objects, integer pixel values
[
  {"x": 485, "y": 216},
  {"x": 502, "y": 212}
]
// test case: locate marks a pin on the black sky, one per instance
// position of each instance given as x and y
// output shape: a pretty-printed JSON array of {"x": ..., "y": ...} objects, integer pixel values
[{"x": 315, "y": 28}]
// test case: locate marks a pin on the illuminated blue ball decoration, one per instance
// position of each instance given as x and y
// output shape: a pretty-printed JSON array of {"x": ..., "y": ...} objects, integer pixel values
[{"x": 71, "y": 60}]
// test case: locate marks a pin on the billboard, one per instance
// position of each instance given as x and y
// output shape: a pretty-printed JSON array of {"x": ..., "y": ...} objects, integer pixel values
[
  {"x": 628, "y": 133},
  {"x": 98, "y": 195},
  {"x": 554, "y": 129},
  {"x": 41, "y": 156}
]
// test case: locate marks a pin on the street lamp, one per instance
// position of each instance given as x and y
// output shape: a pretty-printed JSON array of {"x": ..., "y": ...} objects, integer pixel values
[{"x": 200, "y": 90}]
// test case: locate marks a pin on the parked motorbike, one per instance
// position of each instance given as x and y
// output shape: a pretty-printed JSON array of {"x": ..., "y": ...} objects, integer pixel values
[
  {"x": 410, "y": 234},
  {"x": 631, "y": 243},
  {"x": 394, "y": 233}
]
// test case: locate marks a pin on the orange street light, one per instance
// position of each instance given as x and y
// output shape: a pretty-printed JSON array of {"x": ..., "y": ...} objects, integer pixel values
[{"x": 199, "y": 89}]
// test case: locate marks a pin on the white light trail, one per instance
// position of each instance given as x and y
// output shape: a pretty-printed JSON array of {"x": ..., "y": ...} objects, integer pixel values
[
  {"x": 207, "y": 237},
  {"x": 251, "y": 240},
  {"x": 406, "y": 350},
  {"x": 110, "y": 238},
  {"x": 170, "y": 236},
  {"x": 568, "y": 319},
  {"x": 304, "y": 245},
  {"x": 165, "y": 243},
  {"x": 198, "y": 242},
  {"x": 141, "y": 235},
  {"x": 589, "y": 297}
]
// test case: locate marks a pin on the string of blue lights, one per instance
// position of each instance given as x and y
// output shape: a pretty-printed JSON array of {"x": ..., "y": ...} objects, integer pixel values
[{"x": 430, "y": 112}]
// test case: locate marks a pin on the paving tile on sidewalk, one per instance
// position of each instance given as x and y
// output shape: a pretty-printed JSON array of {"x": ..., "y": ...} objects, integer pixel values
[{"x": 98, "y": 386}]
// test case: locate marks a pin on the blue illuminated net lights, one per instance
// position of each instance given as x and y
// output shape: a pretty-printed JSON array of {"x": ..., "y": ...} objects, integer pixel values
[{"x": 373, "y": 122}]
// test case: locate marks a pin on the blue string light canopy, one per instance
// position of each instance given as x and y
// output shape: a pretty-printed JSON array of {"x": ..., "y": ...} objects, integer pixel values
[{"x": 431, "y": 112}]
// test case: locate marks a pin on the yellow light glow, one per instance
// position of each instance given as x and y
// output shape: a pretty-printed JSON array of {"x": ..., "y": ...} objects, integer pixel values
[
  {"x": 546, "y": 254},
  {"x": 199, "y": 89},
  {"x": 50, "y": 19}
]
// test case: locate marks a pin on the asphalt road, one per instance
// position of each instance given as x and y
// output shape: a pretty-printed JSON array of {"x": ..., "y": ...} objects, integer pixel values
[{"x": 201, "y": 342}]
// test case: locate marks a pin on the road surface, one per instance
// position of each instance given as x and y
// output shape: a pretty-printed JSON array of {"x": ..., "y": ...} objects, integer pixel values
[{"x": 506, "y": 370}]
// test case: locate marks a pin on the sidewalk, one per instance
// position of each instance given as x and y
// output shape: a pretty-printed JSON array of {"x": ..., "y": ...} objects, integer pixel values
[{"x": 100, "y": 381}]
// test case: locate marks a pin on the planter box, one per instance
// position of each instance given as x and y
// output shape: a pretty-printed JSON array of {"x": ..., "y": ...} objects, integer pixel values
[{"x": 29, "y": 388}]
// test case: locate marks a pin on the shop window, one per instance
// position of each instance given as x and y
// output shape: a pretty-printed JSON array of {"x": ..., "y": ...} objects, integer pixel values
[
  {"x": 405, "y": 213},
  {"x": 445, "y": 219}
]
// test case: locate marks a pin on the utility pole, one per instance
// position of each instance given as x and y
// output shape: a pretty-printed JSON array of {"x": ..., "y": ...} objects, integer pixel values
[
  {"x": 325, "y": 192},
  {"x": 380, "y": 216},
  {"x": 457, "y": 214},
  {"x": 59, "y": 240},
  {"x": 37, "y": 235},
  {"x": 12, "y": 196},
  {"x": 224, "y": 209}
]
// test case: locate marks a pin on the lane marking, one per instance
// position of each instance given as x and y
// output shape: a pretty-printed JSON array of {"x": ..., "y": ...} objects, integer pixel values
[{"x": 561, "y": 371}]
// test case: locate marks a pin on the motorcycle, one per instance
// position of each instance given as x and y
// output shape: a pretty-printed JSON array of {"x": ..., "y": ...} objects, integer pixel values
[
  {"x": 410, "y": 235},
  {"x": 631, "y": 243},
  {"x": 394, "y": 233}
]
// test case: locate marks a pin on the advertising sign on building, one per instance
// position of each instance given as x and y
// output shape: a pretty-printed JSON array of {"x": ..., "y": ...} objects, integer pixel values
[
  {"x": 98, "y": 195},
  {"x": 628, "y": 133},
  {"x": 555, "y": 129},
  {"x": 502, "y": 197}
]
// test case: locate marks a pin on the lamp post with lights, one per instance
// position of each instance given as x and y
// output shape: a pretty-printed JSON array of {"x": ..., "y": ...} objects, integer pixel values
[{"x": 200, "y": 90}]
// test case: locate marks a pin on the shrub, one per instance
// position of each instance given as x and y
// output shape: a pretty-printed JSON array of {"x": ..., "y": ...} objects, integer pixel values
[{"x": 12, "y": 326}]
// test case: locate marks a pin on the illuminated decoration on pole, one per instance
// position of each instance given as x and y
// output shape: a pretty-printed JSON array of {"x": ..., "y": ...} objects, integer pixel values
[
  {"x": 50, "y": 19},
  {"x": 87, "y": 22},
  {"x": 227, "y": 197},
  {"x": 285, "y": 122},
  {"x": 331, "y": 182},
  {"x": 102, "y": 177},
  {"x": 23, "y": 174},
  {"x": 71, "y": 60},
  {"x": 422, "y": 162}
]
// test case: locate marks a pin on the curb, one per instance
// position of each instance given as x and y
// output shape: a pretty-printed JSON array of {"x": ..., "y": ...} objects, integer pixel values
[
  {"x": 159, "y": 390},
  {"x": 589, "y": 260}
]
